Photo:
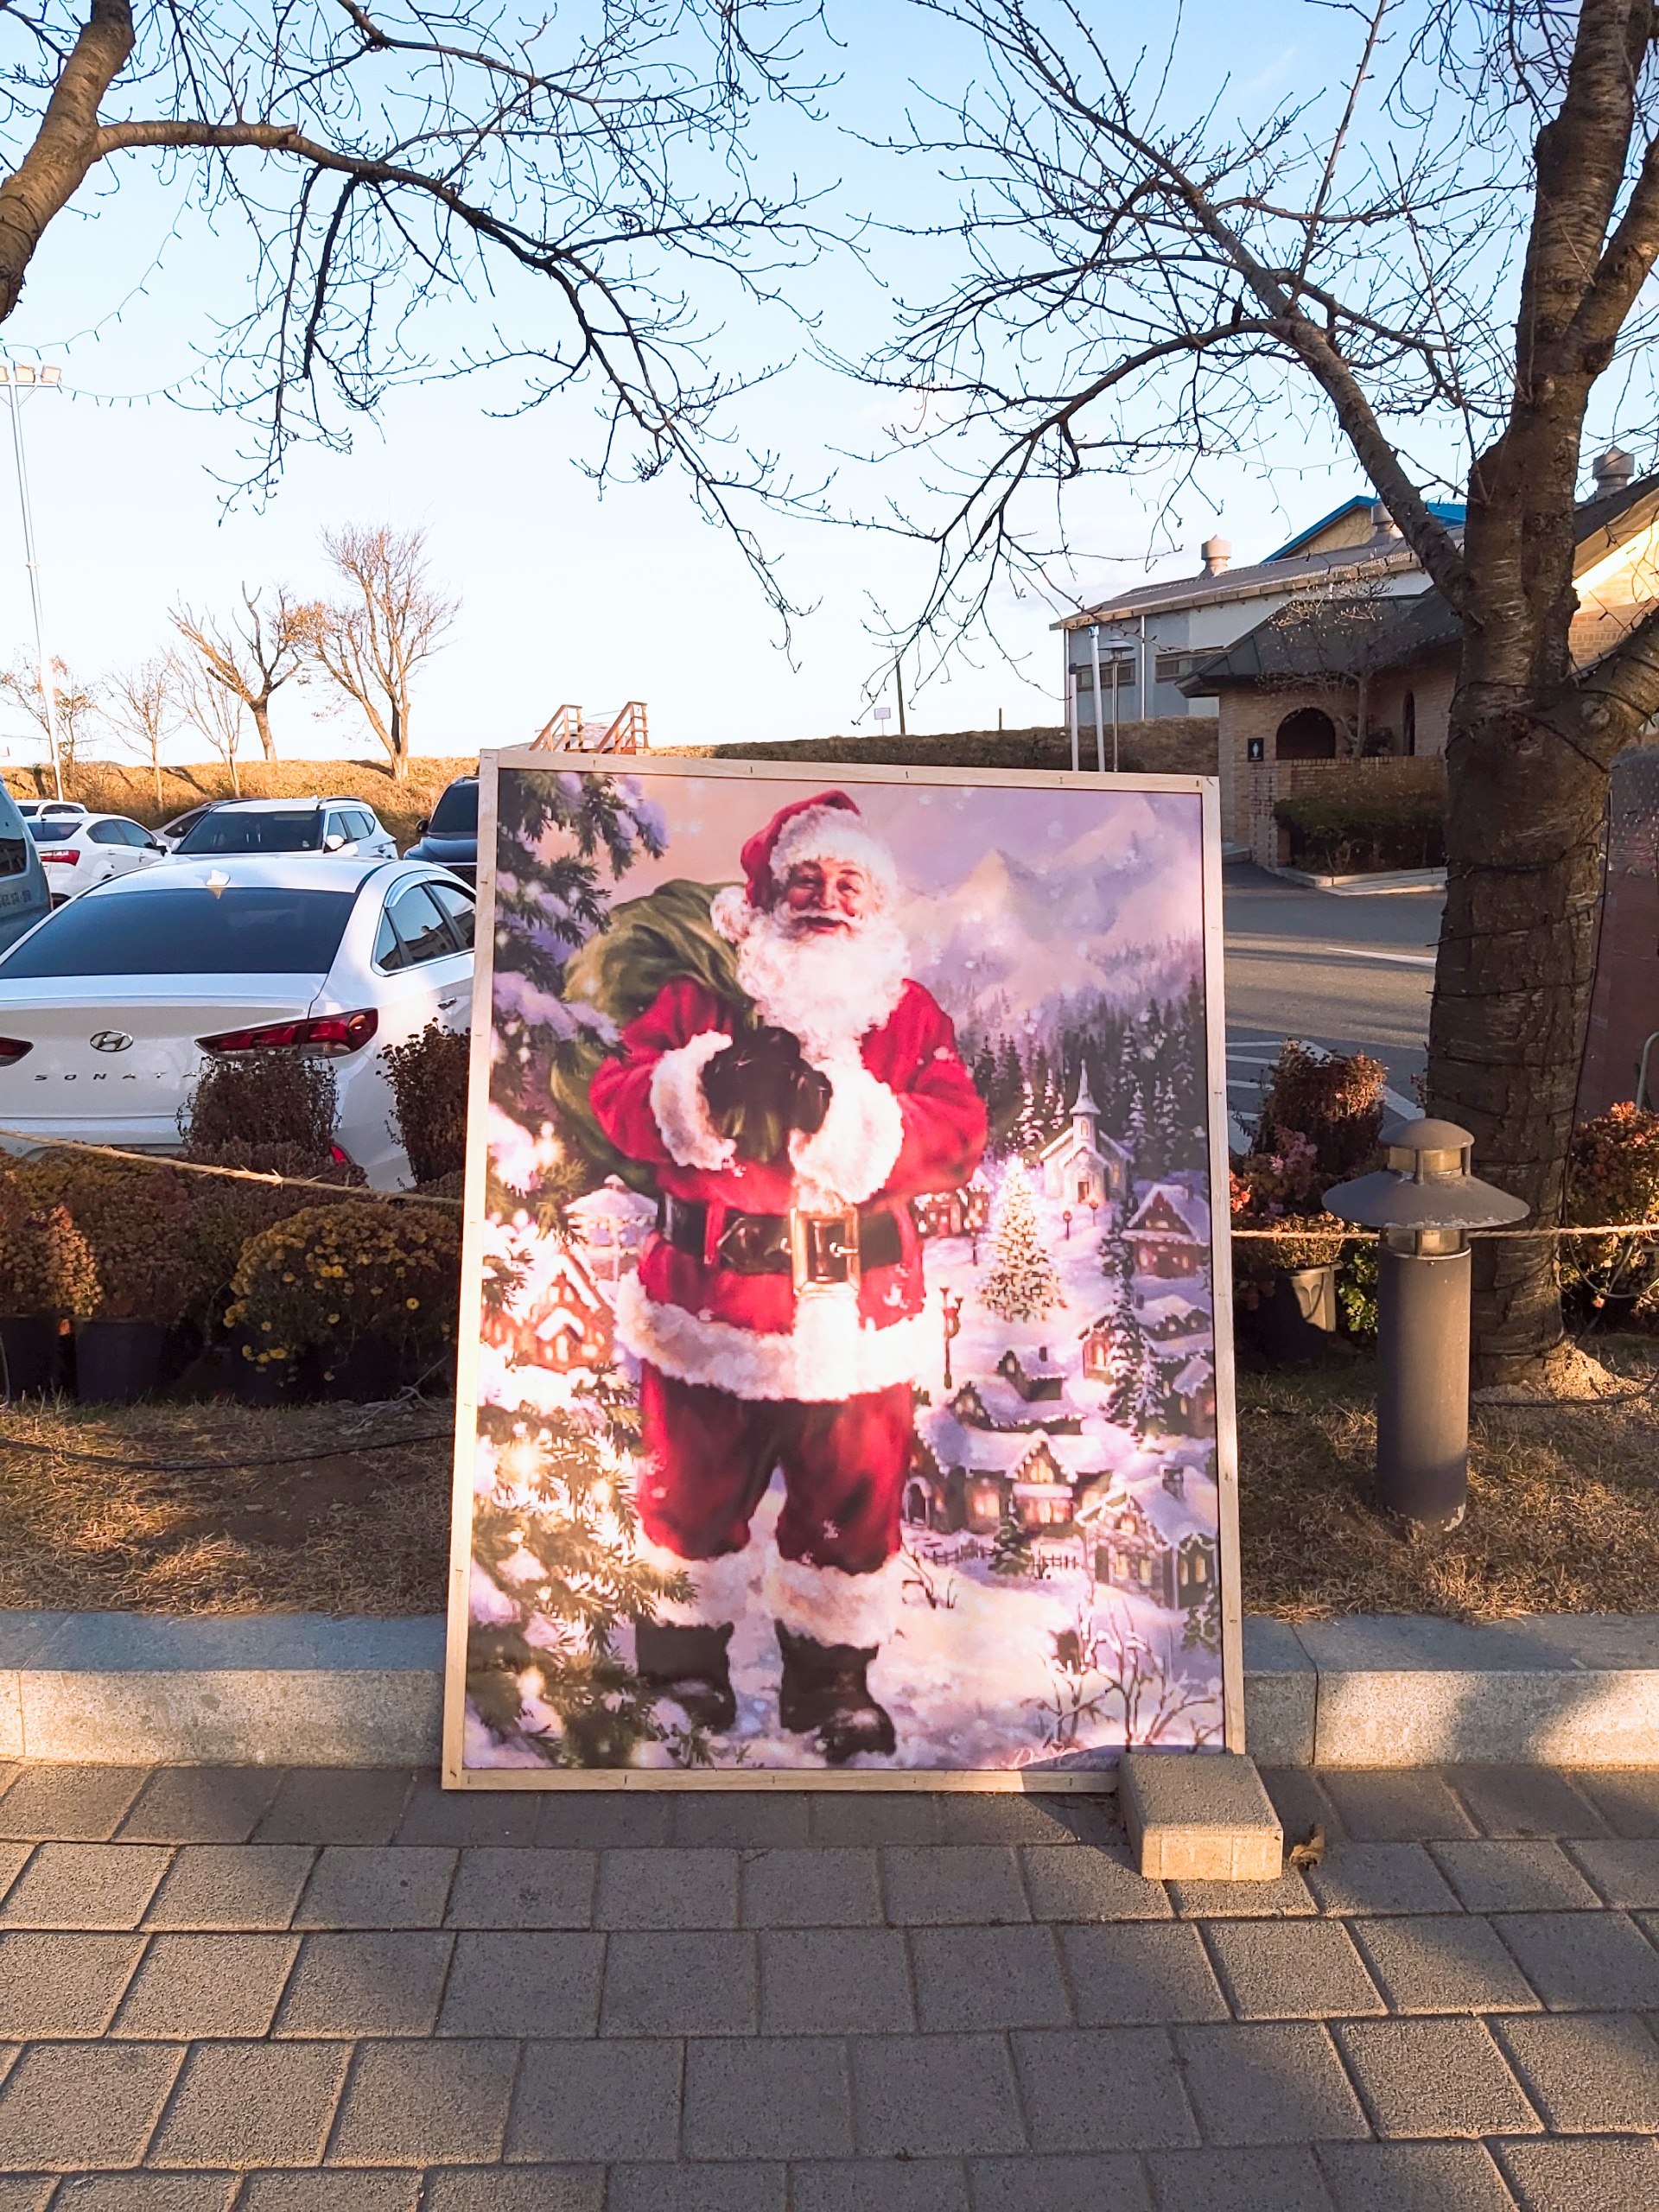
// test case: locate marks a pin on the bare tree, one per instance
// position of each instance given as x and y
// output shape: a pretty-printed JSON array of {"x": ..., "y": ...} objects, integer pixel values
[
  {"x": 219, "y": 713},
  {"x": 253, "y": 657},
  {"x": 78, "y": 704},
  {"x": 1443, "y": 256},
  {"x": 370, "y": 643},
  {"x": 381, "y": 159},
  {"x": 145, "y": 706}
]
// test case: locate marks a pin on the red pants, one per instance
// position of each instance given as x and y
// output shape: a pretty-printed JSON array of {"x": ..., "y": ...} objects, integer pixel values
[{"x": 711, "y": 1457}]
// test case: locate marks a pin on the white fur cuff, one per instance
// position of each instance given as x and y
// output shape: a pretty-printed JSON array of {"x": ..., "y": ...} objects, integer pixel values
[
  {"x": 831, "y": 1606},
  {"x": 681, "y": 1110},
  {"x": 852, "y": 1154},
  {"x": 720, "y": 1587}
]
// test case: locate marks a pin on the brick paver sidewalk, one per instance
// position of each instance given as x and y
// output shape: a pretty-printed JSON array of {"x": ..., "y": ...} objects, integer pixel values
[{"x": 341, "y": 1992}]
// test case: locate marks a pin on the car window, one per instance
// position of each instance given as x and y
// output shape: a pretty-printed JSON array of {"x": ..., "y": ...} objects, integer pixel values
[
  {"x": 420, "y": 928},
  {"x": 14, "y": 837},
  {"x": 107, "y": 833},
  {"x": 177, "y": 828},
  {"x": 459, "y": 907},
  {"x": 224, "y": 831},
  {"x": 455, "y": 814},
  {"x": 366, "y": 824},
  {"x": 339, "y": 825},
  {"x": 247, "y": 929},
  {"x": 136, "y": 834},
  {"x": 54, "y": 833}
]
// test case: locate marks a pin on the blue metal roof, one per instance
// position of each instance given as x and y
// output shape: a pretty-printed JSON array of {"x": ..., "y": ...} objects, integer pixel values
[{"x": 1444, "y": 511}]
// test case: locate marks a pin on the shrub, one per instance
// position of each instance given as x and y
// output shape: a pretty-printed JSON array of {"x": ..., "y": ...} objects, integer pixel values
[
  {"x": 332, "y": 1274},
  {"x": 1335, "y": 1103},
  {"x": 254, "y": 1103},
  {"x": 429, "y": 1086},
  {"x": 46, "y": 1264},
  {"x": 1356, "y": 836},
  {"x": 1613, "y": 1175},
  {"x": 137, "y": 1224},
  {"x": 228, "y": 1211},
  {"x": 1319, "y": 1124}
]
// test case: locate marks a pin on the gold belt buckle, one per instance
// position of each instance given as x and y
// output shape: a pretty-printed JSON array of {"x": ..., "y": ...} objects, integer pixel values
[{"x": 823, "y": 1250}]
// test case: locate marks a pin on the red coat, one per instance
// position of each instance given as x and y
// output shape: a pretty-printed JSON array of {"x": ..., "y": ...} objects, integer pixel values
[{"x": 912, "y": 1119}]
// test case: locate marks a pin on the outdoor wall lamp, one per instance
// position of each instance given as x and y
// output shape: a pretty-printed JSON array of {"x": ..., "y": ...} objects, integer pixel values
[{"x": 1425, "y": 1202}]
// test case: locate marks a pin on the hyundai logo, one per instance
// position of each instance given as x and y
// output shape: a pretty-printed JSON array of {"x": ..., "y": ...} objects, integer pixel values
[{"x": 109, "y": 1040}]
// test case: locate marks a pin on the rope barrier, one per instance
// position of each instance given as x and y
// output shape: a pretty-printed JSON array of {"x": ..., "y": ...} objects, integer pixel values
[
  {"x": 271, "y": 1180},
  {"x": 1314, "y": 1226}
]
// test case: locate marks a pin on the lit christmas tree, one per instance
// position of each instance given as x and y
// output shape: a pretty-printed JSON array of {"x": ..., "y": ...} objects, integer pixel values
[
  {"x": 1010, "y": 1547},
  {"x": 1022, "y": 1285}
]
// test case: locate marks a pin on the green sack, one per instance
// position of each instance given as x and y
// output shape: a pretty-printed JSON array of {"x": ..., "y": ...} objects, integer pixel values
[{"x": 664, "y": 937}]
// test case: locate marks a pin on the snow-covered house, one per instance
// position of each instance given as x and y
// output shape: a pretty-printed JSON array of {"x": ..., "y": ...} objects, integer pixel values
[
  {"x": 970, "y": 1478},
  {"x": 1190, "y": 1397},
  {"x": 962, "y": 1212},
  {"x": 1034, "y": 1379},
  {"x": 1148, "y": 1539},
  {"x": 992, "y": 1404},
  {"x": 609, "y": 1225},
  {"x": 1168, "y": 1233},
  {"x": 1080, "y": 1167},
  {"x": 568, "y": 1323}
]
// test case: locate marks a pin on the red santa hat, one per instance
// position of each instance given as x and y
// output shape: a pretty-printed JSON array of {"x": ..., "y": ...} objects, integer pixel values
[{"x": 828, "y": 827}]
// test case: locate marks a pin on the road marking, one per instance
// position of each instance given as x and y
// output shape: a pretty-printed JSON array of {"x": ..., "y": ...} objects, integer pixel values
[{"x": 1290, "y": 947}]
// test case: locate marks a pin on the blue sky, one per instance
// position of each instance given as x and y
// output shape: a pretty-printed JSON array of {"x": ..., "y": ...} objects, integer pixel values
[{"x": 566, "y": 596}]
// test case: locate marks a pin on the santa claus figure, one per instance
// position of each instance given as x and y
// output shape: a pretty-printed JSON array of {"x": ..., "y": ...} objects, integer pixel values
[{"x": 777, "y": 1312}]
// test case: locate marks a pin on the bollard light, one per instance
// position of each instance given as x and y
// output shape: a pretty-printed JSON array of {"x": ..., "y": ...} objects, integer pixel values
[{"x": 1425, "y": 1202}]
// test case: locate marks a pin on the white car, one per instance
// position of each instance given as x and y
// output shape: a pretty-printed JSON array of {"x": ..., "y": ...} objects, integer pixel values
[
  {"x": 347, "y": 827},
  {"x": 170, "y": 832},
  {"x": 32, "y": 809},
  {"x": 111, "y": 1006},
  {"x": 78, "y": 850}
]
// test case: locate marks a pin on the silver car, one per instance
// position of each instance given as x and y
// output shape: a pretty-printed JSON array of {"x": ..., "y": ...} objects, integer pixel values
[{"x": 347, "y": 828}]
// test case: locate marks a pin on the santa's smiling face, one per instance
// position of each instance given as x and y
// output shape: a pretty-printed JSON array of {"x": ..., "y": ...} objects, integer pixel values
[{"x": 825, "y": 898}]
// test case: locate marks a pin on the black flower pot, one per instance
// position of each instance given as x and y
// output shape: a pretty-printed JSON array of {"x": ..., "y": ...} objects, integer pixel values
[
  {"x": 1297, "y": 1320},
  {"x": 274, "y": 1382},
  {"x": 117, "y": 1363},
  {"x": 30, "y": 1357}
]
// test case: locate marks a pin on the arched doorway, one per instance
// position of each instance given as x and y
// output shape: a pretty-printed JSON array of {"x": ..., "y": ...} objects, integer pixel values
[{"x": 1308, "y": 734}]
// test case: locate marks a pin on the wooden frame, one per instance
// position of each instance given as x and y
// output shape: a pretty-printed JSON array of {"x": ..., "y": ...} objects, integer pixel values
[{"x": 456, "y": 1775}]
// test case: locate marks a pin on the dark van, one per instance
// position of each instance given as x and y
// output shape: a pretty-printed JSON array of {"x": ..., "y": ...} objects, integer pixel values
[
  {"x": 24, "y": 899},
  {"x": 449, "y": 834}
]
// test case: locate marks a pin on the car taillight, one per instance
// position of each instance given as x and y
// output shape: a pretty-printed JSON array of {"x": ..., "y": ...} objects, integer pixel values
[
  {"x": 64, "y": 859},
  {"x": 12, "y": 1048},
  {"x": 329, "y": 1034}
]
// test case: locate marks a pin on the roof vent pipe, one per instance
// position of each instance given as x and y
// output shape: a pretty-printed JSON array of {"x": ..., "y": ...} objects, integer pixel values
[
  {"x": 1612, "y": 470},
  {"x": 1216, "y": 554},
  {"x": 1383, "y": 522}
]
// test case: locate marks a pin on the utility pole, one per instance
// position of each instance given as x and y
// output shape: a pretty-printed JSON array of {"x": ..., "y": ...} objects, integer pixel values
[
  {"x": 1100, "y": 727},
  {"x": 12, "y": 374},
  {"x": 899, "y": 686}
]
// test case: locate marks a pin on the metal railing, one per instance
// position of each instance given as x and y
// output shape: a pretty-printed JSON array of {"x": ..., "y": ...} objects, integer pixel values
[{"x": 570, "y": 731}]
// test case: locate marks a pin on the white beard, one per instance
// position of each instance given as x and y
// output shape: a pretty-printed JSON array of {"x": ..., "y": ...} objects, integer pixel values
[{"x": 829, "y": 991}]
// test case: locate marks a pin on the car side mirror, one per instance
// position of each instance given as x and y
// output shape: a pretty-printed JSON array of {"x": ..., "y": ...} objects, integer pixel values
[
  {"x": 333, "y": 844},
  {"x": 423, "y": 825},
  {"x": 155, "y": 845}
]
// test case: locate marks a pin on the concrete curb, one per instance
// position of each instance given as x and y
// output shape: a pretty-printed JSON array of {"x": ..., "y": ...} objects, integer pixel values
[
  {"x": 1352, "y": 886},
  {"x": 300, "y": 1689},
  {"x": 1554, "y": 1689},
  {"x": 290, "y": 1689}
]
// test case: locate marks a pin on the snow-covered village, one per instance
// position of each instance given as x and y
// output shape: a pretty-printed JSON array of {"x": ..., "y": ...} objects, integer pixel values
[{"x": 1059, "y": 1513}]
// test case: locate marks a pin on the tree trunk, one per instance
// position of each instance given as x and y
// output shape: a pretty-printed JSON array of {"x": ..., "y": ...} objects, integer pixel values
[
  {"x": 1511, "y": 997},
  {"x": 260, "y": 709},
  {"x": 398, "y": 746}
]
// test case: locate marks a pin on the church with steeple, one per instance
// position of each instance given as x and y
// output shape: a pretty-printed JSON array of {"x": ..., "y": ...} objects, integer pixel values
[{"x": 1081, "y": 1168}]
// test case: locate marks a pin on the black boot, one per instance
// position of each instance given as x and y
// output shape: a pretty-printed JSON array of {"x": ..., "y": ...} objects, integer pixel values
[
  {"x": 824, "y": 1691},
  {"x": 692, "y": 1666}
]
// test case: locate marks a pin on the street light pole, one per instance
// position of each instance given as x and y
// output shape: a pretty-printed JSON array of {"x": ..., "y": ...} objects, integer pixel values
[{"x": 11, "y": 375}]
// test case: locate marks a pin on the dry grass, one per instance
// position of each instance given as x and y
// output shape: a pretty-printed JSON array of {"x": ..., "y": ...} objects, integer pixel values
[
  {"x": 1563, "y": 1506},
  {"x": 1563, "y": 1516},
  {"x": 117, "y": 787},
  {"x": 1168, "y": 745},
  {"x": 326, "y": 1534}
]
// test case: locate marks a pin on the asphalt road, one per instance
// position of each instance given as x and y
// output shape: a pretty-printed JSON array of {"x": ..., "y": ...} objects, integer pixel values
[{"x": 1351, "y": 972}]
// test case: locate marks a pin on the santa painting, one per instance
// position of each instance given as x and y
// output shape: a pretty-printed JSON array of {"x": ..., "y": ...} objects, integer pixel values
[{"x": 777, "y": 1314}]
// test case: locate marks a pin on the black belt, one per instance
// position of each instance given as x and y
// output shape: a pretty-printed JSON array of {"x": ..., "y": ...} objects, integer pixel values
[{"x": 818, "y": 1249}]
